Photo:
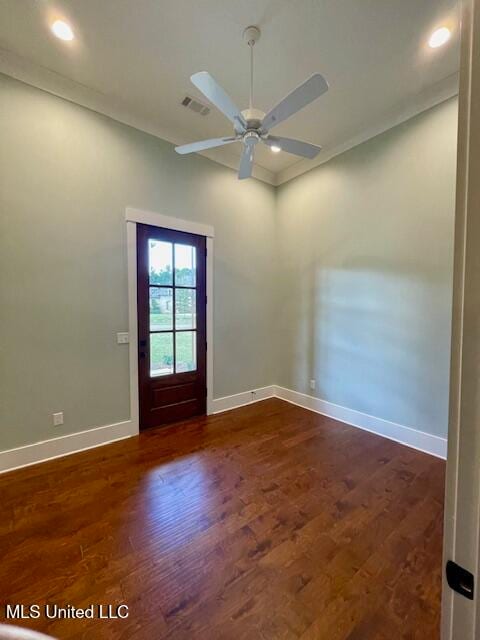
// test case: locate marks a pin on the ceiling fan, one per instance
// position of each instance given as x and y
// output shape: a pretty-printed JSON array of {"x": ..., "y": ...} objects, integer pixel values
[{"x": 251, "y": 125}]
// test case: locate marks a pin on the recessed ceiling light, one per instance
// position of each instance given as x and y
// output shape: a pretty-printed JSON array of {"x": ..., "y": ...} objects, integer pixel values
[
  {"x": 275, "y": 148},
  {"x": 62, "y": 30},
  {"x": 439, "y": 37}
]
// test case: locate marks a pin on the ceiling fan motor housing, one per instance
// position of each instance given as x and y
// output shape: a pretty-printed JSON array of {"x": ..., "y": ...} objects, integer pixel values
[{"x": 253, "y": 118}]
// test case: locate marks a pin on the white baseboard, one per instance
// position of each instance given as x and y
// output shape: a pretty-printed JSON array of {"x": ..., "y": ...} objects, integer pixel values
[
  {"x": 241, "y": 399},
  {"x": 419, "y": 440},
  {"x": 75, "y": 442},
  {"x": 65, "y": 445}
]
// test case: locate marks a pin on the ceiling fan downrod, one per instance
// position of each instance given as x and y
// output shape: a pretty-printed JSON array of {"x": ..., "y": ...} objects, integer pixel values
[{"x": 251, "y": 35}]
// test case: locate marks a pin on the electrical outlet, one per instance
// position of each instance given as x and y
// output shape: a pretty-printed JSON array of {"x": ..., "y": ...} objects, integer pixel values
[
  {"x": 123, "y": 337},
  {"x": 312, "y": 385},
  {"x": 58, "y": 419}
]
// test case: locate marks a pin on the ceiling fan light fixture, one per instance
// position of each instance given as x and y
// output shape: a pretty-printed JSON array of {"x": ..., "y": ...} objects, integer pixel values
[{"x": 275, "y": 148}]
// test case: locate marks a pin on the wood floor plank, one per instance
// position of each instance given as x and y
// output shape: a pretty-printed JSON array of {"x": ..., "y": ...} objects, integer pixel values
[{"x": 267, "y": 522}]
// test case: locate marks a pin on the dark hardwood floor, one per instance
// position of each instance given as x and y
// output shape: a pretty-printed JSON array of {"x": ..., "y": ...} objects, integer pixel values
[{"x": 267, "y": 522}]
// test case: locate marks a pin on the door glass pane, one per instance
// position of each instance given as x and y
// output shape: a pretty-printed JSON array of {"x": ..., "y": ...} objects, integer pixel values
[
  {"x": 161, "y": 354},
  {"x": 160, "y": 262},
  {"x": 161, "y": 309},
  {"x": 186, "y": 351},
  {"x": 185, "y": 262},
  {"x": 185, "y": 309}
]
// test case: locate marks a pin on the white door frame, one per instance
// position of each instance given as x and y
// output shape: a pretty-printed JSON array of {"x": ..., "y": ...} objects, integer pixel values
[
  {"x": 137, "y": 216},
  {"x": 461, "y": 616}
]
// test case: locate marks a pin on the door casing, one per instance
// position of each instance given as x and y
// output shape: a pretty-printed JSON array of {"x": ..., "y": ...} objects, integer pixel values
[
  {"x": 461, "y": 616},
  {"x": 137, "y": 216}
]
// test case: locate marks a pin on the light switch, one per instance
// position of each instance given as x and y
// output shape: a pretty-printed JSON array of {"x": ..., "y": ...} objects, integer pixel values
[{"x": 123, "y": 337}]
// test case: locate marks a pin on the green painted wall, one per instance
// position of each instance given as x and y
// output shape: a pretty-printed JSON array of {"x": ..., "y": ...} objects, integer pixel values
[
  {"x": 365, "y": 244},
  {"x": 343, "y": 275},
  {"x": 66, "y": 176}
]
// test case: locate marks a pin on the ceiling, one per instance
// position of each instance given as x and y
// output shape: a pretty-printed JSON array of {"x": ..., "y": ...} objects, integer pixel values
[{"x": 138, "y": 56}]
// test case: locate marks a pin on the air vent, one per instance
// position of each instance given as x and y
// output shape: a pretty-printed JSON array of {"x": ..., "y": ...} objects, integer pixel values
[{"x": 196, "y": 106}]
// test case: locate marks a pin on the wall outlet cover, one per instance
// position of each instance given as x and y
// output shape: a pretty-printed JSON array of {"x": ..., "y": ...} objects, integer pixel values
[
  {"x": 58, "y": 419},
  {"x": 123, "y": 337}
]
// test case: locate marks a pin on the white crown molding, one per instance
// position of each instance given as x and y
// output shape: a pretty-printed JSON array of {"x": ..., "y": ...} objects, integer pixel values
[
  {"x": 430, "y": 97},
  {"x": 59, "y": 85},
  {"x": 43, "y": 78}
]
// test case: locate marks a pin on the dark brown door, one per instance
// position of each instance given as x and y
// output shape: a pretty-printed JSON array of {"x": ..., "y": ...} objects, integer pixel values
[{"x": 171, "y": 284}]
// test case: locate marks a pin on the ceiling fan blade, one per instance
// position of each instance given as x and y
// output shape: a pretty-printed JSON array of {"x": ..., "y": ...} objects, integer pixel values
[
  {"x": 246, "y": 162},
  {"x": 217, "y": 96},
  {"x": 307, "y": 92},
  {"x": 205, "y": 144},
  {"x": 297, "y": 147}
]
